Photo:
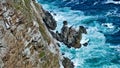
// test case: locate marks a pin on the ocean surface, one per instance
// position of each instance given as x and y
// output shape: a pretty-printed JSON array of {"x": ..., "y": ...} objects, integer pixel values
[{"x": 102, "y": 20}]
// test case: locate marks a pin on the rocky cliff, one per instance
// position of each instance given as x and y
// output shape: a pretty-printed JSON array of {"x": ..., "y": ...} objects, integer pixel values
[{"x": 25, "y": 40}]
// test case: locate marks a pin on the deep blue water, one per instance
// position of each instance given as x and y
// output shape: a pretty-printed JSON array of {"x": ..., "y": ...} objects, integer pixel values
[{"x": 102, "y": 20}]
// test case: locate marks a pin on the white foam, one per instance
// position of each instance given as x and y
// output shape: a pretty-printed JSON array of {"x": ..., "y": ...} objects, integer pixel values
[
  {"x": 109, "y": 28},
  {"x": 95, "y": 38},
  {"x": 109, "y": 25},
  {"x": 78, "y": 62},
  {"x": 111, "y": 1}
]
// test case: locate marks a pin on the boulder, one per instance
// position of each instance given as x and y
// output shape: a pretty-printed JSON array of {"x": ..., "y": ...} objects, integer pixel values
[{"x": 69, "y": 36}]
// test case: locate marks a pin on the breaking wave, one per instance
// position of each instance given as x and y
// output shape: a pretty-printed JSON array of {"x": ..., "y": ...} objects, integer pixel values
[{"x": 103, "y": 50}]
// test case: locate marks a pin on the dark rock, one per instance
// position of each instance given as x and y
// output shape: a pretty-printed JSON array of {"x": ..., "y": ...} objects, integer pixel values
[
  {"x": 53, "y": 34},
  {"x": 54, "y": 14},
  {"x": 49, "y": 21},
  {"x": 67, "y": 63},
  {"x": 64, "y": 32},
  {"x": 1, "y": 46},
  {"x": 82, "y": 29},
  {"x": 71, "y": 37},
  {"x": 58, "y": 44},
  {"x": 85, "y": 44},
  {"x": 78, "y": 37},
  {"x": 58, "y": 36},
  {"x": 69, "y": 46},
  {"x": 63, "y": 53}
]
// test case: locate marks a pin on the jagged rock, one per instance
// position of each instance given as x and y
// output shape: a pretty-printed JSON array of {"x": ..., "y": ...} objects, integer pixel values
[
  {"x": 57, "y": 35},
  {"x": 85, "y": 44},
  {"x": 53, "y": 34},
  {"x": 67, "y": 63},
  {"x": 49, "y": 21},
  {"x": 64, "y": 32},
  {"x": 69, "y": 36},
  {"x": 78, "y": 37}
]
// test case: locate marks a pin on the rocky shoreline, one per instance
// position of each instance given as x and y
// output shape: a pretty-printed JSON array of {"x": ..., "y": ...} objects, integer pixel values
[{"x": 26, "y": 36}]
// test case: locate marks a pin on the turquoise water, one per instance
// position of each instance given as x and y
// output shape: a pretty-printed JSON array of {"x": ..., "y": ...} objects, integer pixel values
[{"x": 103, "y": 50}]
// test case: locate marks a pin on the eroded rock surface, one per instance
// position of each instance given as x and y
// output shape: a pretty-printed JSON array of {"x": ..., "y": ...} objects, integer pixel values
[
  {"x": 70, "y": 36},
  {"x": 25, "y": 40},
  {"x": 49, "y": 21}
]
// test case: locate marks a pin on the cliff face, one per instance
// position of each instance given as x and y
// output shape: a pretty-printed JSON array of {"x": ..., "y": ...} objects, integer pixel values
[{"x": 25, "y": 40}]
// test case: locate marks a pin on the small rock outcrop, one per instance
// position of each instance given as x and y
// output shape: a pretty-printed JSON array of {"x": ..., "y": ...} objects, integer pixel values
[{"x": 69, "y": 36}]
